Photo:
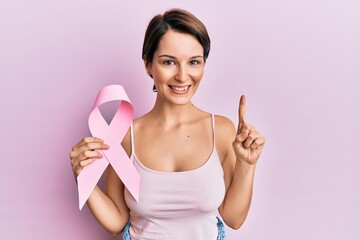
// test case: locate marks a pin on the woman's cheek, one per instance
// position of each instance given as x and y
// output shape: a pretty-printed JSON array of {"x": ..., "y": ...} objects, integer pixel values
[{"x": 198, "y": 75}]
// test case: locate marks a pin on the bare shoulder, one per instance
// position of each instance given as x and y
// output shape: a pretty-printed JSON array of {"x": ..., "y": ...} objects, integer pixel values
[
  {"x": 126, "y": 142},
  {"x": 224, "y": 136},
  {"x": 224, "y": 128}
]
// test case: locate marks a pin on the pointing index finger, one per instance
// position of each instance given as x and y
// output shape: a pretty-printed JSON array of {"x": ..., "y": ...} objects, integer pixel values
[{"x": 242, "y": 112}]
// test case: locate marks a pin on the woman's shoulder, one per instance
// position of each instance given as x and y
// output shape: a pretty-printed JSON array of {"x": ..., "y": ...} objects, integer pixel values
[
  {"x": 126, "y": 142},
  {"x": 225, "y": 133},
  {"x": 224, "y": 125},
  {"x": 141, "y": 120}
]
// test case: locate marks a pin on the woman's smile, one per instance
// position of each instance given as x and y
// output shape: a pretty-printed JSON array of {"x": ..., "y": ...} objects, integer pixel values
[{"x": 180, "y": 89}]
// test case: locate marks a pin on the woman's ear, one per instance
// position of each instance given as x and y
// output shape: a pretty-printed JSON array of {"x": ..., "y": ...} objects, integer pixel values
[{"x": 147, "y": 66}]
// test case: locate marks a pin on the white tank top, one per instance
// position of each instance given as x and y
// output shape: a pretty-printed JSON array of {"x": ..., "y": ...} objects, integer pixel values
[{"x": 177, "y": 205}]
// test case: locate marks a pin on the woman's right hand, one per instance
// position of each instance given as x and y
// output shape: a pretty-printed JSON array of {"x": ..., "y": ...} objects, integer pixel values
[{"x": 84, "y": 153}]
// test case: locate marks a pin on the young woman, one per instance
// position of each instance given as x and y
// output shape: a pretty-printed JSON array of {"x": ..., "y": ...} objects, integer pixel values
[{"x": 193, "y": 165}]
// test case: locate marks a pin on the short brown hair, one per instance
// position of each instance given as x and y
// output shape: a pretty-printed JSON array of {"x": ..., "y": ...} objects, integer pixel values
[{"x": 178, "y": 20}]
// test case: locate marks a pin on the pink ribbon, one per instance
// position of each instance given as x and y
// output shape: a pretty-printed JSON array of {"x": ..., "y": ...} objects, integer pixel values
[{"x": 112, "y": 134}]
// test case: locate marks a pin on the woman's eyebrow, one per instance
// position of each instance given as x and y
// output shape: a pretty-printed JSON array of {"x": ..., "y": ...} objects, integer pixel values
[
  {"x": 172, "y": 57},
  {"x": 169, "y": 56},
  {"x": 198, "y": 56}
]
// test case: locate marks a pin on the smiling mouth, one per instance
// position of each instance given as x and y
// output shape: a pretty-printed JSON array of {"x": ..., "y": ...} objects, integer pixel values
[{"x": 180, "y": 89}]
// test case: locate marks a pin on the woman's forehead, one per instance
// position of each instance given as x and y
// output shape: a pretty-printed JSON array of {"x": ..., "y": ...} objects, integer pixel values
[{"x": 176, "y": 43}]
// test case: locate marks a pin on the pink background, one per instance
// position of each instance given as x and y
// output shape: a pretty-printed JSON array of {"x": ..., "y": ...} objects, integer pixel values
[{"x": 298, "y": 62}]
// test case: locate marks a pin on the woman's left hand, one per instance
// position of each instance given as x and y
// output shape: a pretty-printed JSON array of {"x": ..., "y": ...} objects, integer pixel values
[{"x": 248, "y": 143}]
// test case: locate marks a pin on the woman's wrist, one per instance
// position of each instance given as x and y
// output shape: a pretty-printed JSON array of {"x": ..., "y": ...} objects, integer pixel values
[{"x": 244, "y": 166}]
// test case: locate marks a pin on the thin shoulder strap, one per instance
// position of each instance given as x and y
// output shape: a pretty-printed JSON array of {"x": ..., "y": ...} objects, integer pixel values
[
  {"x": 132, "y": 139},
  {"x": 213, "y": 127}
]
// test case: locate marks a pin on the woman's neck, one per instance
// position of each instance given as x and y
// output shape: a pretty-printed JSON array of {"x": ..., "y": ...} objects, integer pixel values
[{"x": 169, "y": 115}]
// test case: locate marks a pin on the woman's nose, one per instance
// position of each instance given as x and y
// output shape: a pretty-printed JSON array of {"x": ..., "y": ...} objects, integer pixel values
[{"x": 181, "y": 74}]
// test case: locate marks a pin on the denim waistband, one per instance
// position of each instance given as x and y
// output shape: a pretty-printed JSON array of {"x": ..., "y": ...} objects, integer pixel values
[{"x": 220, "y": 226}]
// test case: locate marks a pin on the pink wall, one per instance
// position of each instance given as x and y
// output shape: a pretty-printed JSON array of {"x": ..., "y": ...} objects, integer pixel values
[{"x": 297, "y": 61}]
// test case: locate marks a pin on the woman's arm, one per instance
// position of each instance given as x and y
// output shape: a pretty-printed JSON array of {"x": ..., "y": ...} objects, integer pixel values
[
  {"x": 238, "y": 159},
  {"x": 108, "y": 208}
]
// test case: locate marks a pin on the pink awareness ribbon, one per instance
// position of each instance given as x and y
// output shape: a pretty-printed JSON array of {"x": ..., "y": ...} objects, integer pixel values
[{"x": 112, "y": 134}]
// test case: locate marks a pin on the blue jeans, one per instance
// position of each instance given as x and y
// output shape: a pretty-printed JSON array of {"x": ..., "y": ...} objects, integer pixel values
[{"x": 220, "y": 226}]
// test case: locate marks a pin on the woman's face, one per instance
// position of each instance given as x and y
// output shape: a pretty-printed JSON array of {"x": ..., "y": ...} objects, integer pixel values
[{"x": 177, "y": 67}]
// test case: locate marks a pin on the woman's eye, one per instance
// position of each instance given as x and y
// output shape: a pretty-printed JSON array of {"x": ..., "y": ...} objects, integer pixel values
[
  {"x": 194, "y": 62},
  {"x": 169, "y": 62}
]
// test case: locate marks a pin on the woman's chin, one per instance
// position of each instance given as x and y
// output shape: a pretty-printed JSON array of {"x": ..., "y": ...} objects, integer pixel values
[{"x": 179, "y": 100}]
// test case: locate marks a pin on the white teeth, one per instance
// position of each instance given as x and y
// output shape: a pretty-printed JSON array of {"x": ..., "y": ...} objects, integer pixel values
[{"x": 180, "y": 89}]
